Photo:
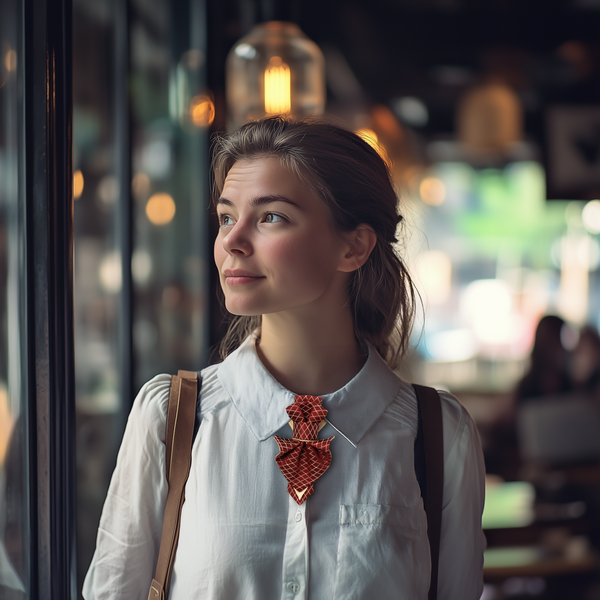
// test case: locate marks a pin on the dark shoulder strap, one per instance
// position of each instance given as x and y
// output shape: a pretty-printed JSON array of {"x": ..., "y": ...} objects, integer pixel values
[
  {"x": 419, "y": 454},
  {"x": 181, "y": 415},
  {"x": 430, "y": 412}
]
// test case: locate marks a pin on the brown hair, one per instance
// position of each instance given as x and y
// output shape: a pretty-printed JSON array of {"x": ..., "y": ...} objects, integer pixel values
[{"x": 355, "y": 183}]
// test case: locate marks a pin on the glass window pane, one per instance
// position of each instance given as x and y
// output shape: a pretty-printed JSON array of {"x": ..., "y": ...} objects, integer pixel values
[
  {"x": 171, "y": 114},
  {"x": 169, "y": 185},
  {"x": 97, "y": 272}
]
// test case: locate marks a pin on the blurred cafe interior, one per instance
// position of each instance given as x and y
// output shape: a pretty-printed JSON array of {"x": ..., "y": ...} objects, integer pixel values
[{"x": 488, "y": 112}]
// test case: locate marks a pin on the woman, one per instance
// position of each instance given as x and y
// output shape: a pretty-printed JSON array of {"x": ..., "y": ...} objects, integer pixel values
[
  {"x": 306, "y": 257},
  {"x": 585, "y": 362},
  {"x": 548, "y": 372}
]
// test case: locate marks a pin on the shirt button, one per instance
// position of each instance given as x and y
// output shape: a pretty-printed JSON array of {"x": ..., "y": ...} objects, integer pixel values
[
  {"x": 298, "y": 517},
  {"x": 293, "y": 586}
]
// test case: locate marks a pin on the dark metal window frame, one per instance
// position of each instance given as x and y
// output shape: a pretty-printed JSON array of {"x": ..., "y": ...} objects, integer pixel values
[{"x": 49, "y": 297}]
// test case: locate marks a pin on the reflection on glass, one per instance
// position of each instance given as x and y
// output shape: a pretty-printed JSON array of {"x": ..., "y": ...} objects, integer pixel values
[
  {"x": 202, "y": 111},
  {"x": 97, "y": 273},
  {"x": 170, "y": 110},
  {"x": 14, "y": 507}
]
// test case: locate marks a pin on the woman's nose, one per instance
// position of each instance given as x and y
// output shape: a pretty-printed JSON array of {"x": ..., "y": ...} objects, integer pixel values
[{"x": 237, "y": 240}]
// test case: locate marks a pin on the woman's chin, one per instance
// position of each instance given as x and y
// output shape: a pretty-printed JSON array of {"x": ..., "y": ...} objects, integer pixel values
[{"x": 241, "y": 310}]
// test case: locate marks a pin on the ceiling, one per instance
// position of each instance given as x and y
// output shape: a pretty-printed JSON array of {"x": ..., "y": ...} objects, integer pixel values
[{"x": 547, "y": 51}]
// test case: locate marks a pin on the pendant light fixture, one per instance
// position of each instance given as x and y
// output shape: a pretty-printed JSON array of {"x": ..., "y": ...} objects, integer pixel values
[
  {"x": 274, "y": 70},
  {"x": 489, "y": 118}
]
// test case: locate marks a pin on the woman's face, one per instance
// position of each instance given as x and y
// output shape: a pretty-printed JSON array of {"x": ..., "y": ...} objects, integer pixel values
[{"x": 275, "y": 250}]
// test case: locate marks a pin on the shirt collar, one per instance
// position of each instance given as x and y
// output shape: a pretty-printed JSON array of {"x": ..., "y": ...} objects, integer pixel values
[{"x": 261, "y": 400}]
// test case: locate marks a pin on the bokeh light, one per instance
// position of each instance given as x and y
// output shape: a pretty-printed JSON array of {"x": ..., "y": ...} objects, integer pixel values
[
  {"x": 451, "y": 345},
  {"x": 141, "y": 267},
  {"x": 77, "y": 184},
  {"x": 10, "y": 61},
  {"x": 108, "y": 190},
  {"x": 434, "y": 272},
  {"x": 573, "y": 214},
  {"x": 6, "y": 423},
  {"x": 487, "y": 304},
  {"x": 160, "y": 209},
  {"x": 140, "y": 185},
  {"x": 412, "y": 111},
  {"x": 110, "y": 273},
  {"x": 202, "y": 111},
  {"x": 432, "y": 191},
  {"x": 591, "y": 216}
]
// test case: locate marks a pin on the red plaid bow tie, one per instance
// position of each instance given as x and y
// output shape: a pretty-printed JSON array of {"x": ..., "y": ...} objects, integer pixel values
[{"x": 304, "y": 458}]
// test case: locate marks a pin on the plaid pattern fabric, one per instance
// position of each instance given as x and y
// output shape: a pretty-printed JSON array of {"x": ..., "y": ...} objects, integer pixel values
[{"x": 304, "y": 458}]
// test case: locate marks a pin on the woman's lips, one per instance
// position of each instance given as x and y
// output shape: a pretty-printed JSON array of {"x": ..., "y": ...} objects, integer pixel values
[{"x": 241, "y": 277}]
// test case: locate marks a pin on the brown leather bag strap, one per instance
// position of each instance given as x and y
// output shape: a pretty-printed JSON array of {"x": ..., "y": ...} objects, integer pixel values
[
  {"x": 430, "y": 408},
  {"x": 181, "y": 415}
]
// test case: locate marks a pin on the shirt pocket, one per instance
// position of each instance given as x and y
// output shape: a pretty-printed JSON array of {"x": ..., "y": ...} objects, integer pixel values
[{"x": 382, "y": 553}]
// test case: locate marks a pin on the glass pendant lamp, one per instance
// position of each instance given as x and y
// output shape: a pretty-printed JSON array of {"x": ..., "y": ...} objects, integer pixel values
[
  {"x": 490, "y": 117},
  {"x": 274, "y": 70}
]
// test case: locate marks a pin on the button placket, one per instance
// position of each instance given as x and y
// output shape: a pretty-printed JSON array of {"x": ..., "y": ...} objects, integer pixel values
[{"x": 295, "y": 554}]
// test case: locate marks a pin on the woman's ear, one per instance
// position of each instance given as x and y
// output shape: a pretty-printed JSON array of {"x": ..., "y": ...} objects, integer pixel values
[{"x": 360, "y": 242}]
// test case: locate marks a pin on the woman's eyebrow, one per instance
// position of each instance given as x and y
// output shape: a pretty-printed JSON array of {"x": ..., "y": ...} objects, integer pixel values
[{"x": 262, "y": 200}]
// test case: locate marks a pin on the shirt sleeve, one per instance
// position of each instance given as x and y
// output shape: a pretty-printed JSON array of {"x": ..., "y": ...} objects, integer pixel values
[
  {"x": 131, "y": 523},
  {"x": 462, "y": 541}
]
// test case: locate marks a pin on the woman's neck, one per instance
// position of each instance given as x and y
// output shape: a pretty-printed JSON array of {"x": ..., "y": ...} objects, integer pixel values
[{"x": 316, "y": 355}]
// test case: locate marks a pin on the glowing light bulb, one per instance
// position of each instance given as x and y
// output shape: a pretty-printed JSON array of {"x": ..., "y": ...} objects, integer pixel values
[
  {"x": 278, "y": 87},
  {"x": 274, "y": 69}
]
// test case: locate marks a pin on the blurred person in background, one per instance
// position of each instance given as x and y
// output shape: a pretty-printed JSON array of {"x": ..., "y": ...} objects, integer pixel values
[
  {"x": 585, "y": 362},
  {"x": 548, "y": 372},
  {"x": 547, "y": 375}
]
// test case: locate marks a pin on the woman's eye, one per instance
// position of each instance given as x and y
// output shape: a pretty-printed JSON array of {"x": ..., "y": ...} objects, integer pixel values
[
  {"x": 273, "y": 218},
  {"x": 225, "y": 220}
]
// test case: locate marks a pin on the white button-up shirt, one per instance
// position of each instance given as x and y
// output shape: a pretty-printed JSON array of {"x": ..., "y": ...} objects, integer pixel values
[{"x": 361, "y": 535}]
